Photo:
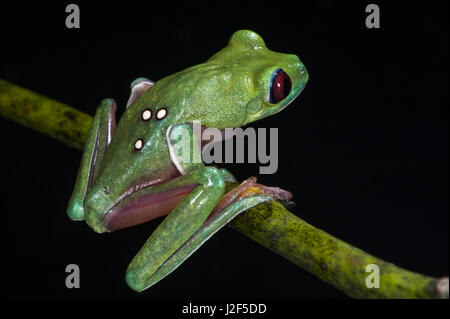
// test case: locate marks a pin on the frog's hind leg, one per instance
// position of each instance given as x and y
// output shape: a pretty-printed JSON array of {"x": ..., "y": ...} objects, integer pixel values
[
  {"x": 248, "y": 194},
  {"x": 99, "y": 137},
  {"x": 177, "y": 227}
]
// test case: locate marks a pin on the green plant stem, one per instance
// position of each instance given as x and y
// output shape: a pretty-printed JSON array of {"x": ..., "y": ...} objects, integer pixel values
[{"x": 269, "y": 224}]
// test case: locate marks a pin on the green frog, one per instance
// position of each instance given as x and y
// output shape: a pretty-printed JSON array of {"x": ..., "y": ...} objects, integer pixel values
[{"x": 137, "y": 170}]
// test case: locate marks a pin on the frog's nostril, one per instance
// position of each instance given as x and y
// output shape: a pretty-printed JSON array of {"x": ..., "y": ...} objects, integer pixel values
[{"x": 107, "y": 190}]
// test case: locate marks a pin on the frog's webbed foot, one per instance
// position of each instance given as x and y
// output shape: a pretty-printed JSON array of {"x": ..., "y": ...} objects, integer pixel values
[
  {"x": 250, "y": 186},
  {"x": 99, "y": 137}
]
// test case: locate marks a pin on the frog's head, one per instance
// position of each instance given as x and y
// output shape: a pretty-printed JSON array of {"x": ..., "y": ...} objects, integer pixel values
[{"x": 255, "y": 82}]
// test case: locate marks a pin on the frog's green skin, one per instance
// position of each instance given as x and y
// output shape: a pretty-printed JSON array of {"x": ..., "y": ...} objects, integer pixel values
[{"x": 119, "y": 186}]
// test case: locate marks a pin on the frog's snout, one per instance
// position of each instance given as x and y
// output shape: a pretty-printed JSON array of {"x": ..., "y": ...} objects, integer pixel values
[{"x": 298, "y": 70}]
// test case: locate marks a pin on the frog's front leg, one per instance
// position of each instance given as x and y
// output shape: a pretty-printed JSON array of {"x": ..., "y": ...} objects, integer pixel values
[
  {"x": 200, "y": 214},
  {"x": 99, "y": 137}
]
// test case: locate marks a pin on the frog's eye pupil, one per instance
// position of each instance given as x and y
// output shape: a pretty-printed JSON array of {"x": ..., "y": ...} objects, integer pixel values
[{"x": 280, "y": 86}]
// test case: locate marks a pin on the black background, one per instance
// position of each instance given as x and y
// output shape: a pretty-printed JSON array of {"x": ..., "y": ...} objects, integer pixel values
[{"x": 364, "y": 149}]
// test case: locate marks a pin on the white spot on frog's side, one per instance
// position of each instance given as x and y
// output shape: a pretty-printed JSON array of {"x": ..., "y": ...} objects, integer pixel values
[
  {"x": 146, "y": 114},
  {"x": 162, "y": 113},
  {"x": 138, "y": 87},
  {"x": 139, "y": 144}
]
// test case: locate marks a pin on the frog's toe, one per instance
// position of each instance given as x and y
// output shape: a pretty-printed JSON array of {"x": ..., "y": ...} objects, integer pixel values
[
  {"x": 75, "y": 210},
  {"x": 132, "y": 281},
  {"x": 249, "y": 187}
]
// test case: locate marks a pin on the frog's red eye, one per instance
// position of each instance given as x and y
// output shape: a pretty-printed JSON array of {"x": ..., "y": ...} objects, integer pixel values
[{"x": 280, "y": 86}]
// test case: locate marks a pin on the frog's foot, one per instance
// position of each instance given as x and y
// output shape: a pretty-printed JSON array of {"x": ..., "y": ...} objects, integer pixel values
[
  {"x": 249, "y": 188},
  {"x": 283, "y": 196}
]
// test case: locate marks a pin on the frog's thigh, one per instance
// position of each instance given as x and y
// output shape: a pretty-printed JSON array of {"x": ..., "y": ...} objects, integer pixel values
[
  {"x": 177, "y": 227},
  {"x": 99, "y": 136}
]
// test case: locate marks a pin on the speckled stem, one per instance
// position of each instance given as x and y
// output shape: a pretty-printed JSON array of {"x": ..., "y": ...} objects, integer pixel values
[
  {"x": 43, "y": 114},
  {"x": 329, "y": 258},
  {"x": 269, "y": 224}
]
